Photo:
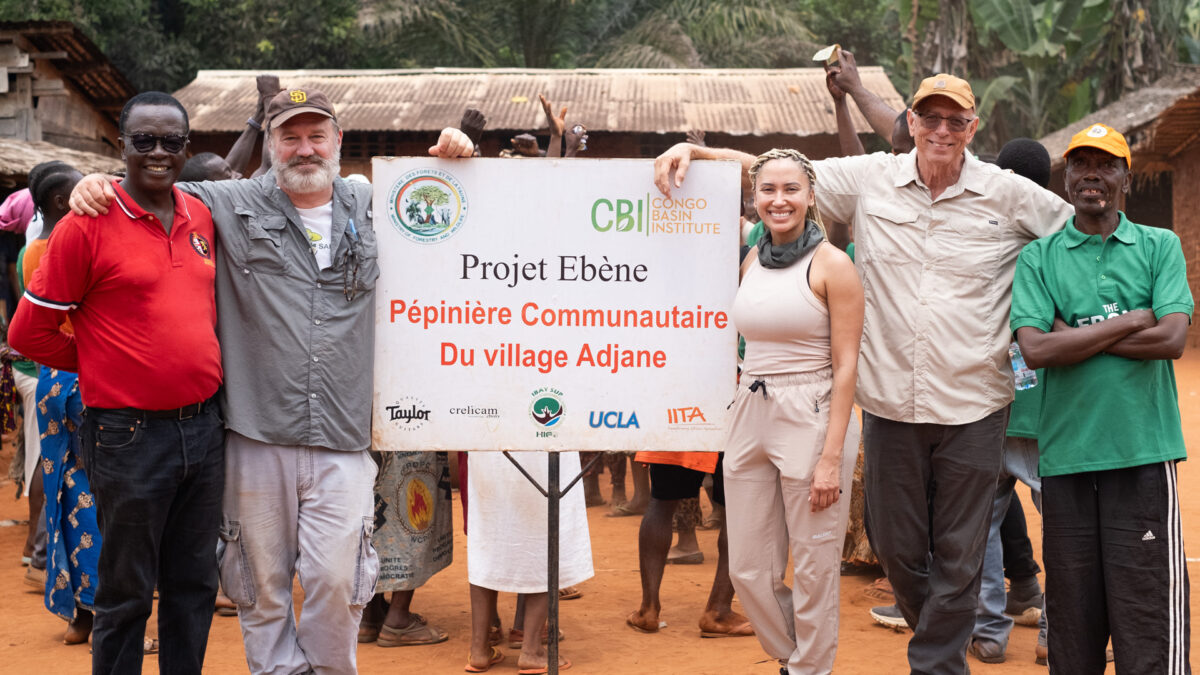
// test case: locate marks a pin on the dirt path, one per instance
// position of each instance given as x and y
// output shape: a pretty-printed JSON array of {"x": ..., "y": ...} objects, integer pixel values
[{"x": 597, "y": 639}]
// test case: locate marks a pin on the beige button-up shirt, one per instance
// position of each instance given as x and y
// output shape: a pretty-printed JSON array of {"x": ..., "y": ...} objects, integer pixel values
[{"x": 937, "y": 276}]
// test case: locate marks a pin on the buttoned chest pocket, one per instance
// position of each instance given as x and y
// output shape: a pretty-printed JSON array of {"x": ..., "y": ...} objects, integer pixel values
[
  {"x": 968, "y": 244},
  {"x": 368, "y": 272},
  {"x": 892, "y": 233},
  {"x": 264, "y": 248}
]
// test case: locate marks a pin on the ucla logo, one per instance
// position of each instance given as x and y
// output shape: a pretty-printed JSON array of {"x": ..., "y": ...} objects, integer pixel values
[
  {"x": 427, "y": 206},
  {"x": 612, "y": 420},
  {"x": 298, "y": 96}
]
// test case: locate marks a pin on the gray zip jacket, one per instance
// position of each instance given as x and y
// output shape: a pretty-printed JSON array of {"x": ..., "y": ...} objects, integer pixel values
[{"x": 298, "y": 356}]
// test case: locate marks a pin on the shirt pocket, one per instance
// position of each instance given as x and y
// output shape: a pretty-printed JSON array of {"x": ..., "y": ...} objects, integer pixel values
[
  {"x": 368, "y": 260},
  {"x": 264, "y": 251},
  {"x": 969, "y": 244},
  {"x": 892, "y": 233}
]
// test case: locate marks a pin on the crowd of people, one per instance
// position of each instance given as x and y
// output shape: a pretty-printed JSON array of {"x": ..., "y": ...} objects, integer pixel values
[{"x": 193, "y": 353}]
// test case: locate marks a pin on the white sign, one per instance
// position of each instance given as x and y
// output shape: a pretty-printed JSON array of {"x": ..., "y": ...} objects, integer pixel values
[{"x": 553, "y": 305}]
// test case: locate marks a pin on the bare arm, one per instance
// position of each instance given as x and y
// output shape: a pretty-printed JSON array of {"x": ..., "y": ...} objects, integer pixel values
[
  {"x": 847, "y": 139},
  {"x": 834, "y": 278},
  {"x": 1064, "y": 345},
  {"x": 879, "y": 114},
  {"x": 268, "y": 86},
  {"x": 557, "y": 126},
  {"x": 679, "y": 156},
  {"x": 1165, "y": 340}
]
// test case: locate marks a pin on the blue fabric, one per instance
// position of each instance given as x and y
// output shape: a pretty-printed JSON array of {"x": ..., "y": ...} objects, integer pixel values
[{"x": 74, "y": 536}]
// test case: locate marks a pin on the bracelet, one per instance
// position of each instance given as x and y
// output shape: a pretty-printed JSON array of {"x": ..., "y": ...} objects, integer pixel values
[{"x": 254, "y": 123}]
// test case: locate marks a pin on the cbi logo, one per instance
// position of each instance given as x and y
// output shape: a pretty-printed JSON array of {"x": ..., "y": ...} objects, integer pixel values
[
  {"x": 688, "y": 417},
  {"x": 613, "y": 420}
]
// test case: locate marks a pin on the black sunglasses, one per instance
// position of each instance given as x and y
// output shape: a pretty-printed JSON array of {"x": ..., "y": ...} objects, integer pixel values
[{"x": 145, "y": 142}]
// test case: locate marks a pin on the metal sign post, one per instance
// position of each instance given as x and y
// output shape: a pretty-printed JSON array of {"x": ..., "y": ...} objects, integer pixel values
[{"x": 553, "y": 497}]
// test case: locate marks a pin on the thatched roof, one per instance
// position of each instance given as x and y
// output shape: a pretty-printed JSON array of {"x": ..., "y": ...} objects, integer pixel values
[
  {"x": 18, "y": 157},
  {"x": 1157, "y": 121},
  {"x": 734, "y": 101}
]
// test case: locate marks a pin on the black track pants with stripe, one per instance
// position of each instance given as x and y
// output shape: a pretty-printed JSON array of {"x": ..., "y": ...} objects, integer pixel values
[{"x": 1113, "y": 552}]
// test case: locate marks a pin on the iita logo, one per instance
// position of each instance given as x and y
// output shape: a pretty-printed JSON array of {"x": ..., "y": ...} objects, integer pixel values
[
  {"x": 547, "y": 410},
  {"x": 688, "y": 417},
  {"x": 427, "y": 205},
  {"x": 613, "y": 420}
]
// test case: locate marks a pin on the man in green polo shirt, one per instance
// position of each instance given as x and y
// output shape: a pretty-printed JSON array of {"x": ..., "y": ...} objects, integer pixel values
[{"x": 1104, "y": 306}]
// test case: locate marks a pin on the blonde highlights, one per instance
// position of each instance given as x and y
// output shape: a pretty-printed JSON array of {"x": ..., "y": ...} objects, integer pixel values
[{"x": 798, "y": 157}]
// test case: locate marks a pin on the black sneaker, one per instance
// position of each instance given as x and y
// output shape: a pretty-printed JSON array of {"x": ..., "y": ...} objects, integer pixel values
[{"x": 890, "y": 616}]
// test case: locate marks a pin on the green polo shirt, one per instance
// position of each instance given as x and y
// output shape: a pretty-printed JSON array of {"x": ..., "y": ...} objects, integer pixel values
[
  {"x": 1026, "y": 409},
  {"x": 1107, "y": 412}
]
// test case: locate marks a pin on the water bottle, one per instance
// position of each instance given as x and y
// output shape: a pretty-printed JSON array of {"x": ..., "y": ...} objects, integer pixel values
[{"x": 1023, "y": 377}]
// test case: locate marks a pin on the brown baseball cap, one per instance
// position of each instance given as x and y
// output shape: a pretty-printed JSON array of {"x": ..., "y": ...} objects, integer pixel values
[
  {"x": 291, "y": 102},
  {"x": 954, "y": 88}
]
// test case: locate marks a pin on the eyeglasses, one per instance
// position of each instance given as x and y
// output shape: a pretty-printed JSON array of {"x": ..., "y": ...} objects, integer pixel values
[
  {"x": 955, "y": 123},
  {"x": 171, "y": 143}
]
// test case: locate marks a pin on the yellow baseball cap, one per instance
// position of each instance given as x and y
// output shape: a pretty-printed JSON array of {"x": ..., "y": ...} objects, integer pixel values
[
  {"x": 1102, "y": 137},
  {"x": 954, "y": 88}
]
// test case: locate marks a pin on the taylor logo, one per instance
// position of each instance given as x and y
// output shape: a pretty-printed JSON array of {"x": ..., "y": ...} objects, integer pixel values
[
  {"x": 1097, "y": 131},
  {"x": 612, "y": 420},
  {"x": 200, "y": 244},
  {"x": 427, "y": 205},
  {"x": 298, "y": 96},
  {"x": 547, "y": 409},
  {"x": 408, "y": 413}
]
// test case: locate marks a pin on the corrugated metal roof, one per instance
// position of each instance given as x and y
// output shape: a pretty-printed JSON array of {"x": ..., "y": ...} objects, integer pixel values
[
  {"x": 1156, "y": 120},
  {"x": 739, "y": 102}
]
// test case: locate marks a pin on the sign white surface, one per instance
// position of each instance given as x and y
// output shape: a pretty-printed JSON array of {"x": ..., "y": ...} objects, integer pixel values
[{"x": 553, "y": 305}]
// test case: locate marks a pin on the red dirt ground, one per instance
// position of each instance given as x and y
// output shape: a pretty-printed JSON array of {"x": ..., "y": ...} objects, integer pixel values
[{"x": 597, "y": 639}]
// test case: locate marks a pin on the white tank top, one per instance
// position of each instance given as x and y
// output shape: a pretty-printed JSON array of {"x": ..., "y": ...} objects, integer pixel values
[{"x": 785, "y": 325}]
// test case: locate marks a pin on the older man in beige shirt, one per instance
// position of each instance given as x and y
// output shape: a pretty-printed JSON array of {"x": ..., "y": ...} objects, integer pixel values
[{"x": 937, "y": 237}]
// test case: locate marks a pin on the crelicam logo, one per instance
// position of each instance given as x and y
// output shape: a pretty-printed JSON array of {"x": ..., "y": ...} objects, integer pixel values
[
  {"x": 547, "y": 410},
  {"x": 427, "y": 205},
  {"x": 408, "y": 413},
  {"x": 613, "y": 420}
]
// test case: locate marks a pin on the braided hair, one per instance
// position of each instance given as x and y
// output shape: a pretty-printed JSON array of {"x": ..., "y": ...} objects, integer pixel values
[
  {"x": 44, "y": 184},
  {"x": 798, "y": 157}
]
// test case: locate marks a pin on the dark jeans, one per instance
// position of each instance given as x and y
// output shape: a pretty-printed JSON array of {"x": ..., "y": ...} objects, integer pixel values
[
  {"x": 1014, "y": 539},
  {"x": 158, "y": 485},
  {"x": 929, "y": 491},
  {"x": 1115, "y": 566}
]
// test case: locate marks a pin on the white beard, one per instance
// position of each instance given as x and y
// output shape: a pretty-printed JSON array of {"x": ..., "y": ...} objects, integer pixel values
[{"x": 292, "y": 178}]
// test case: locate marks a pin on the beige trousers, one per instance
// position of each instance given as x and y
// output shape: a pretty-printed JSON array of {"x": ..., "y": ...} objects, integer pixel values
[{"x": 775, "y": 439}]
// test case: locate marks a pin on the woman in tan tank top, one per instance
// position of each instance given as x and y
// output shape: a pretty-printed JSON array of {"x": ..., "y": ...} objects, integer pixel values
[{"x": 792, "y": 443}]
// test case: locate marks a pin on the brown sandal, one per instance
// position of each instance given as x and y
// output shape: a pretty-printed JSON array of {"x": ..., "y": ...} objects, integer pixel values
[{"x": 419, "y": 632}]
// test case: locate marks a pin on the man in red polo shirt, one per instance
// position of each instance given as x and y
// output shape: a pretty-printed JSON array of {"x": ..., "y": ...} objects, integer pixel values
[{"x": 137, "y": 284}]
